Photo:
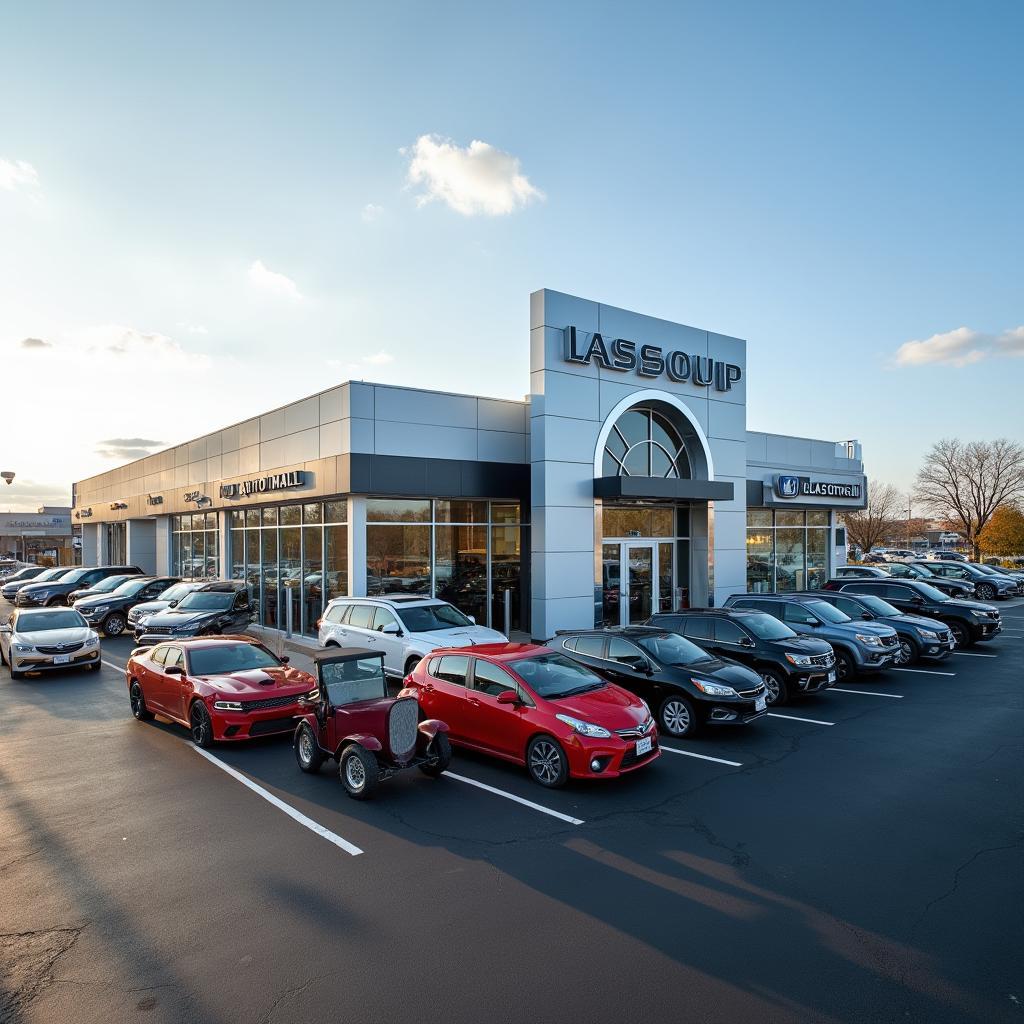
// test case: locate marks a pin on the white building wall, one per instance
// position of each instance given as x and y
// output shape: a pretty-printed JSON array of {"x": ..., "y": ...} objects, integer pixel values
[{"x": 141, "y": 544}]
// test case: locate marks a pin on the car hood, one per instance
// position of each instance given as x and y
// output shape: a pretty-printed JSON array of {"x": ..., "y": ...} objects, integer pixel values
[
  {"x": 179, "y": 617},
  {"x": 862, "y": 627},
  {"x": 460, "y": 636},
  {"x": 151, "y": 607},
  {"x": 958, "y": 604},
  {"x": 917, "y": 621},
  {"x": 611, "y": 706},
  {"x": 802, "y": 645},
  {"x": 14, "y": 586},
  {"x": 718, "y": 670},
  {"x": 96, "y": 600},
  {"x": 258, "y": 683},
  {"x": 52, "y": 637}
]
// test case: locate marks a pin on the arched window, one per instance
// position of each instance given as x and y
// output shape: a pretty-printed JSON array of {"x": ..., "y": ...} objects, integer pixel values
[{"x": 644, "y": 442}]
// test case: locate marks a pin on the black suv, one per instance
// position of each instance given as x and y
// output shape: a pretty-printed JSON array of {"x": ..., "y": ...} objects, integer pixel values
[
  {"x": 56, "y": 591},
  {"x": 969, "y": 621},
  {"x": 33, "y": 574},
  {"x": 108, "y": 612},
  {"x": 788, "y": 664},
  {"x": 686, "y": 687},
  {"x": 924, "y": 572},
  {"x": 920, "y": 638},
  {"x": 987, "y": 586},
  {"x": 213, "y": 609}
]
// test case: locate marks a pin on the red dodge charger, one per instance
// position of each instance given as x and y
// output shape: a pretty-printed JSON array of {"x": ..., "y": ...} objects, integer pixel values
[
  {"x": 222, "y": 688},
  {"x": 533, "y": 706}
]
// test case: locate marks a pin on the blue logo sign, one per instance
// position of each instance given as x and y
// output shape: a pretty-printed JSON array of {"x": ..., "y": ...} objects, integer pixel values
[{"x": 787, "y": 486}]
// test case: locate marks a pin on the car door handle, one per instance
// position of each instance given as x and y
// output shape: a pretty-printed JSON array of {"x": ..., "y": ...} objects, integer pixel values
[
  {"x": 474, "y": 702},
  {"x": 427, "y": 688}
]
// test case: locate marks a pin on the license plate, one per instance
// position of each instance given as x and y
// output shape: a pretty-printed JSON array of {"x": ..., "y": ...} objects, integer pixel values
[
  {"x": 759, "y": 703},
  {"x": 831, "y": 677},
  {"x": 61, "y": 659},
  {"x": 643, "y": 746}
]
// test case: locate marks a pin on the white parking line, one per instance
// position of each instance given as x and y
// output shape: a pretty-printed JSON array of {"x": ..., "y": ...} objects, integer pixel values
[
  {"x": 703, "y": 757},
  {"x": 298, "y": 816},
  {"x": 971, "y": 654},
  {"x": 923, "y": 671},
  {"x": 516, "y": 799},
  {"x": 110, "y": 664},
  {"x": 793, "y": 718},
  {"x": 869, "y": 693}
]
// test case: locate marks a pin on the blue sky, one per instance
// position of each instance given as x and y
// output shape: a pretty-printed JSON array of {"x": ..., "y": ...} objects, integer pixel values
[{"x": 206, "y": 210}]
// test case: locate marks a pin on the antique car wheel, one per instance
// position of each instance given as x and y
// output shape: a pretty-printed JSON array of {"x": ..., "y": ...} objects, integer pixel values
[
  {"x": 358, "y": 772},
  {"x": 441, "y": 748},
  {"x": 114, "y": 624},
  {"x": 546, "y": 762},
  {"x": 200, "y": 725},
  {"x": 776, "y": 690},
  {"x": 138, "y": 702},
  {"x": 677, "y": 716},
  {"x": 307, "y": 753}
]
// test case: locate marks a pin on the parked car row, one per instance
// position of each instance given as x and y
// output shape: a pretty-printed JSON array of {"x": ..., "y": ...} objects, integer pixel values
[{"x": 957, "y": 579}]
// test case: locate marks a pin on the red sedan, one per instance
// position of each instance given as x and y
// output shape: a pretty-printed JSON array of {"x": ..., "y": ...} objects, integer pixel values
[
  {"x": 533, "y": 706},
  {"x": 222, "y": 688}
]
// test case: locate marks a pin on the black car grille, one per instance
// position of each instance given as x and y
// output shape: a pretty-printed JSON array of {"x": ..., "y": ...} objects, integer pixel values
[
  {"x": 159, "y": 630},
  {"x": 270, "y": 725},
  {"x": 635, "y": 732},
  {"x": 890, "y": 641},
  {"x": 755, "y": 692},
  {"x": 629, "y": 758},
  {"x": 60, "y": 649},
  {"x": 822, "y": 660},
  {"x": 271, "y": 702}
]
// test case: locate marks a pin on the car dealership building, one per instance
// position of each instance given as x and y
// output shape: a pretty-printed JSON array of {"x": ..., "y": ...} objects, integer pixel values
[{"x": 625, "y": 483}]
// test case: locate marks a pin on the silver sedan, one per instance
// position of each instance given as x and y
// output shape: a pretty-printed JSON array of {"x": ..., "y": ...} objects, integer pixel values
[{"x": 45, "y": 639}]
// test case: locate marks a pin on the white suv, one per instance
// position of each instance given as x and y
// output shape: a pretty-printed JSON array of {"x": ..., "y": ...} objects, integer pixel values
[{"x": 404, "y": 628}]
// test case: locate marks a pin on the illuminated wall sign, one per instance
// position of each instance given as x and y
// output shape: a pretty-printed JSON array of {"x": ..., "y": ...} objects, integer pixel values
[
  {"x": 805, "y": 487},
  {"x": 648, "y": 360},
  {"x": 274, "y": 482},
  {"x": 154, "y": 499}
]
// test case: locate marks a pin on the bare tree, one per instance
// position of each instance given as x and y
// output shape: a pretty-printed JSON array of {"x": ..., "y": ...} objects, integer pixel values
[
  {"x": 966, "y": 482},
  {"x": 871, "y": 525}
]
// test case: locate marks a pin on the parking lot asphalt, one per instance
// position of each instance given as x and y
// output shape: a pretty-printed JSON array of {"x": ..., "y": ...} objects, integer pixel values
[{"x": 857, "y": 856}]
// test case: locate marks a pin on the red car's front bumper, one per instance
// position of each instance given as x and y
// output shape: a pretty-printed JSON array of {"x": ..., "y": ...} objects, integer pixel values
[
  {"x": 247, "y": 725},
  {"x": 615, "y": 756}
]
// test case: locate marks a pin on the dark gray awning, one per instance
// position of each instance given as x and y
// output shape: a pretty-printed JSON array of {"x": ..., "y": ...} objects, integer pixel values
[{"x": 660, "y": 487}]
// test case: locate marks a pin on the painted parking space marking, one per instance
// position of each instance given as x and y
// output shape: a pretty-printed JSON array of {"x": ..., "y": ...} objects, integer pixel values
[
  {"x": 793, "y": 718},
  {"x": 110, "y": 664},
  {"x": 971, "y": 654},
  {"x": 302, "y": 819},
  {"x": 703, "y": 757},
  {"x": 514, "y": 798},
  {"x": 867, "y": 693},
  {"x": 923, "y": 671}
]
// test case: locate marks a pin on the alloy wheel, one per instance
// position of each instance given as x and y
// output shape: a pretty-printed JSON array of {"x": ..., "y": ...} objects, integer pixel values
[
  {"x": 545, "y": 762},
  {"x": 906, "y": 653},
  {"x": 200, "y": 723},
  {"x": 355, "y": 774},
  {"x": 114, "y": 626},
  {"x": 135, "y": 697},
  {"x": 771, "y": 684},
  {"x": 676, "y": 717},
  {"x": 305, "y": 746}
]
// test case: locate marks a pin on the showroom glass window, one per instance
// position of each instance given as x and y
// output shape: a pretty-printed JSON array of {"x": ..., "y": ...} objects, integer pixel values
[
  {"x": 643, "y": 442},
  {"x": 787, "y": 549},
  {"x": 195, "y": 546},
  {"x": 468, "y": 552},
  {"x": 291, "y": 555}
]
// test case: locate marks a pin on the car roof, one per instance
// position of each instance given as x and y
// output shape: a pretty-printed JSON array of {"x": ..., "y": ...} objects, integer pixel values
[
  {"x": 626, "y": 631},
  {"x": 789, "y": 595},
  {"x": 198, "y": 642},
  {"x": 496, "y": 652},
  {"x": 224, "y": 586},
  {"x": 390, "y": 599},
  {"x": 732, "y": 613}
]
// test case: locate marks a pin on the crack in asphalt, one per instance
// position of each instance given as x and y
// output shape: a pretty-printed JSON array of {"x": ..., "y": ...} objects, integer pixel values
[
  {"x": 27, "y": 960},
  {"x": 288, "y": 993}
]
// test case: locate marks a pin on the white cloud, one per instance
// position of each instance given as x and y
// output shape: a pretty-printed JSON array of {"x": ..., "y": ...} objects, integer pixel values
[
  {"x": 120, "y": 344},
  {"x": 477, "y": 179},
  {"x": 35, "y": 343},
  {"x": 260, "y": 276},
  {"x": 954, "y": 348},
  {"x": 378, "y": 359},
  {"x": 193, "y": 328},
  {"x": 371, "y": 211},
  {"x": 375, "y": 359},
  {"x": 15, "y": 174},
  {"x": 959, "y": 348}
]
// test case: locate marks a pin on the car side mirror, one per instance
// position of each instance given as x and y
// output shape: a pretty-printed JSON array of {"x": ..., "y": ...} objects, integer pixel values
[
  {"x": 747, "y": 642},
  {"x": 172, "y": 604},
  {"x": 174, "y": 670},
  {"x": 284, "y": 659},
  {"x": 509, "y": 697},
  {"x": 638, "y": 664},
  {"x": 391, "y": 629},
  {"x": 472, "y": 618},
  {"x": 867, "y": 616}
]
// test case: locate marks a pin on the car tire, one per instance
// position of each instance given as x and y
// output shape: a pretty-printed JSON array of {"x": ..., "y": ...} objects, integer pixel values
[
  {"x": 909, "y": 651},
  {"x": 199, "y": 725},
  {"x": 53, "y": 602},
  {"x": 546, "y": 762},
  {"x": 332, "y": 643},
  {"x": 961, "y": 634},
  {"x": 359, "y": 772},
  {"x": 777, "y": 687},
  {"x": 441, "y": 748},
  {"x": 137, "y": 699},
  {"x": 846, "y": 669},
  {"x": 677, "y": 716},
  {"x": 410, "y": 666},
  {"x": 985, "y": 592},
  {"x": 307, "y": 752},
  {"x": 114, "y": 624},
  {"x": 17, "y": 675}
]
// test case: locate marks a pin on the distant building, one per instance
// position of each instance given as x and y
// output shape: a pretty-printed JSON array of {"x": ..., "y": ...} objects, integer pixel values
[{"x": 31, "y": 536}]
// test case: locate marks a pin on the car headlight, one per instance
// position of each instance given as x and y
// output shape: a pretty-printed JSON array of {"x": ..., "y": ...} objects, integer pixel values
[
  {"x": 803, "y": 660},
  {"x": 93, "y": 640},
  {"x": 870, "y": 639},
  {"x": 584, "y": 728},
  {"x": 185, "y": 628},
  {"x": 713, "y": 689},
  {"x": 227, "y": 705},
  {"x": 24, "y": 648},
  {"x": 928, "y": 634},
  {"x": 101, "y": 610}
]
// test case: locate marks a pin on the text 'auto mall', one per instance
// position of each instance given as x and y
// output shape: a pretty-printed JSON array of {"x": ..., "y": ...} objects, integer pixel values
[{"x": 625, "y": 483}]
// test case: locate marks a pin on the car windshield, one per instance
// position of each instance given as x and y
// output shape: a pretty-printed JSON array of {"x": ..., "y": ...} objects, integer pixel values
[
  {"x": 918, "y": 571},
  {"x": 131, "y": 586},
  {"x": 177, "y": 592},
  {"x": 927, "y": 590},
  {"x": 826, "y": 611},
  {"x": 877, "y": 606},
  {"x": 75, "y": 575},
  {"x": 986, "y": 569},
  {"x": 671, "y": 649},
  {"x": 553, "y": 675},
  {"x": 49, "y": 574},
  {"x": 767, "y": 627},
  {"x": 356, "y": 679},
  {"x": 40, "y": 622},
  {"x": 206, "y": 600},
  {"x": 223, "y": 659},
  {"x": 429, "y": 618},
  {"x": 108, "y": 585}
]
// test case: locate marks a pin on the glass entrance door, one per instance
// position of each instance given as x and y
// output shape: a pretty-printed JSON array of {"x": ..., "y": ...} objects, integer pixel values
[
  {"x": 640, "y": 571},
  {"x": 636, "y": 580}
]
